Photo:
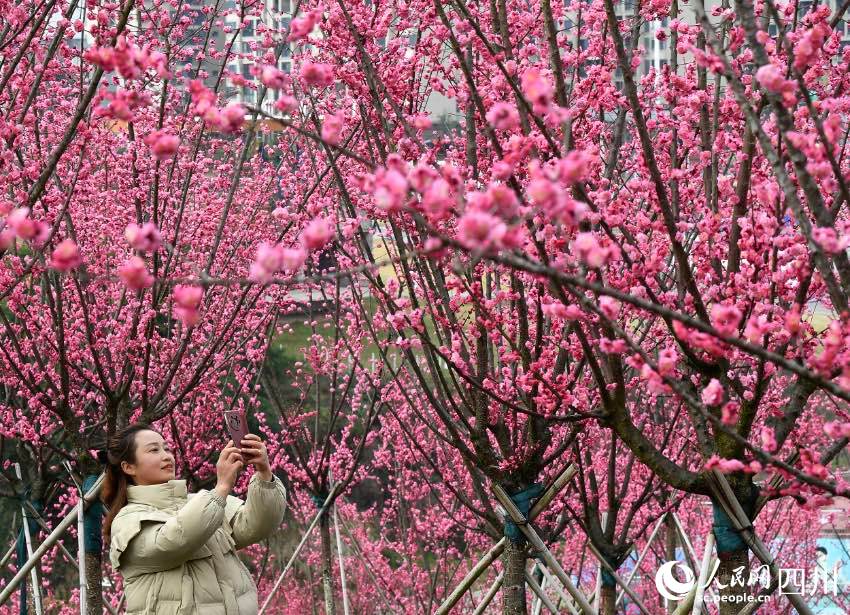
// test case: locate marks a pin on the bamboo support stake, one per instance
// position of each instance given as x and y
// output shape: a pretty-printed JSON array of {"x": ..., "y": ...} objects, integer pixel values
[
  {"x": 604, "y": 563},
  {"x": 562, "y": 595},
  {"x": 40, "y": 520},
  {"x": 49, "y": 542},
  {"x": 538, "y": 602},
  {"x": 476, "y": 571},
  {"x": 703, "y": 580},
  {"x": 345, "y": 608},
  {"x": 496, "y": 550},
  {"x": 532, "y": 583},
  {"x": 35, "y": 588},
  {"x": 641, "y": 555},
  {"x": 544, "y": 551},
  {"x": 736, "y": 513},
  {"x": 491, "y": 593},
  {"x": 301, "y": 544}
]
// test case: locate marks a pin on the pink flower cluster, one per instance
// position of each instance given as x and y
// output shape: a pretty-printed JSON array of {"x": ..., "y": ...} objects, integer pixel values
[
  {"x": 829, "y": 241},
  {"x": 732, "y": 465},
  {"x": 123, "y": 103},
  {"x": 271, "y": 76},
  {"x": 807, "y": 48},
  {"x": 187, "y": 301},
  {"x": 591, "y": 252},
  {"x": 18, "y": 224},
  {"x": 228, "y": 119},
  {"x": 135, "y": 275},
  {"x": 332, "y": 128},
  {"x": 66, "y": 256},
  {"x": 163, "y": 143},
  {"x": 546, "y": 189},
  {"x": 770, "y": 77},
  {"x": 271, "y": 259},
  {"x": 144, "y": 238},
  {"x": 317, "y": 74},
  {"x": 302, "y": 26},
  {"x": 129, "y": 60}
]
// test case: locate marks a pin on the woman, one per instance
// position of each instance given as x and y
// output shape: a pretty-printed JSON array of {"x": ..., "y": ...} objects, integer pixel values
[{"x": 175, "y": 551}]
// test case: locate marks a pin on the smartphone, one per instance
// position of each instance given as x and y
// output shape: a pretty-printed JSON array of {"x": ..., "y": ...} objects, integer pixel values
[{"x": 236, "y": 425}]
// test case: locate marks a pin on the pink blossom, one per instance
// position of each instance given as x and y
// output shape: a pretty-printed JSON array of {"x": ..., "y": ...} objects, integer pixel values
[
  {"x": 232, "y": 118},
  {"x": 292, "y": 259},
  {"x": 187, "y": 300},
  {"x": 135, "y": 274},
  {"x": 542, "y": 192},
  {"x": 317, "y": 74},
  {"x": 286, "y": 104},
  {"x": 21, "y": 224},
  {"x": 203, "y": 99},
  {"x": 7, "y": 238},
  {"x": 537, "y": 89},
  {"x": 421, "y": 121},
  {"x": 269, "y": 257},
  {"x": 332, "y": 129},
  {"x": 837, "y": 429},
  {"x": 66, "y": 256},
  {"x": 768, "y": 439},
  {"x": 725, "y": 318},
  {"x": 317, "y": 233},
  {"x": 438, "y": 199},
  {"x": 770, "y": 77},
  {"x": 712, "y": 395},
  {"x": 421, "y": 176},
  {"x": 725, "y": 465},
  {"x": 757, "y": 327},
  {"x": 145, "y": 238},
  {"x": 272, "y": 77},
  {"x": 609, "y": 307},
  {"x": 574, "y": 167},
  {"x": 504, "y": 201},
  {"x": 390, "y": 190},
  {"x": 479, "y": 230},
  {"x": 300, "y": 27},
  {"x": 503, "y": 116},
  {"x": 163, "y": 144},
  {"x": 829, "y": 241},
  {"x": 589, "y": 251},
  {"x": 793, "y": 320},
  {"x": 730, "y": 413},
  {"x": 807, "y": 48},
  {"x": 667, "y": 359}
]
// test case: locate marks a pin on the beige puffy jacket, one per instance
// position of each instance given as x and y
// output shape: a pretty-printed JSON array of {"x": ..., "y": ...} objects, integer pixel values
[{"x": 177, "y": 552}]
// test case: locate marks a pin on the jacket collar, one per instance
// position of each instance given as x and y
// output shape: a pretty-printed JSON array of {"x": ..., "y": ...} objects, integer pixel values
[{"x": 165, "y": 496}]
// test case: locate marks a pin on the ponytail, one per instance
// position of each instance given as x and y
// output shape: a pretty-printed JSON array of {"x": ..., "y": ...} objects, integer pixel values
[{"x": 113, "y": 494}]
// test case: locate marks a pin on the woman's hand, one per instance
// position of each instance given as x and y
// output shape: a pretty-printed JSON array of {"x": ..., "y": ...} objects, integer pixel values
[
  {"x": 227, "y": 469},
  {"x": 254, "y": 452}
]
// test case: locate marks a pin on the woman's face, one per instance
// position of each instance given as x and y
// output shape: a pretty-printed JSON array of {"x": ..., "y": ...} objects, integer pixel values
[{"x": 154, "y": 460}]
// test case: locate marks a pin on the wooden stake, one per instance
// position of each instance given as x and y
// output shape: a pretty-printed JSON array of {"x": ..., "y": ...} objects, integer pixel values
[
  {"x": 496, "y": 550},
  {"x": 538, "y": 544},
  {"x": 491, "y": 593}
]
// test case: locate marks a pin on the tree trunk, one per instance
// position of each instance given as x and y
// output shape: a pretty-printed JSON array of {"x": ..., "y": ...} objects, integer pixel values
[
  {"x": 513, "y": 586},
  {"x": 732, "y": 576},
  {"x": 94, "y": 582},
  {"x": 327, "y": 564},
  {"x": 608, "y": 594}
]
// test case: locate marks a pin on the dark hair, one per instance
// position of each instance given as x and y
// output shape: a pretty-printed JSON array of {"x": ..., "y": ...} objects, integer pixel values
[{"x": 113, "y": 494}]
